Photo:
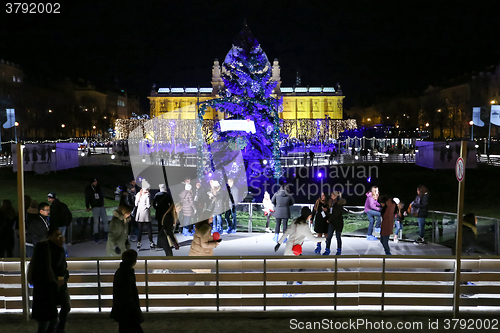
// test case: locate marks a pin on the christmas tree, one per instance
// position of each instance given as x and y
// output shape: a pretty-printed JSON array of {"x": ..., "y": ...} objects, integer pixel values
[{"x": 247, "y": 95}]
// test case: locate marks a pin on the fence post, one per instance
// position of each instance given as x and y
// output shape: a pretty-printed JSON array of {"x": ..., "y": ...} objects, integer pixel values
[
  {"x": 250, "y": 210},
  {"x": 99, "y": 297},
  {"x": 146, "y": 283},
  {"x": 335, "y": 285},
  {"x": 217, "y": 282},
  {"x": 383, "y": 284},
  {"x": 264, "y": 286}
]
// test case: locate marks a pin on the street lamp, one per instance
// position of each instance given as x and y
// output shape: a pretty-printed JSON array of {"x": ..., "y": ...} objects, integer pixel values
[{"x": 471, "y": 123}]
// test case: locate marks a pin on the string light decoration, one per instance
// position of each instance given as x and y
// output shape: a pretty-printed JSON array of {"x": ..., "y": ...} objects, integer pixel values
[{"x": 246, "y": 94}]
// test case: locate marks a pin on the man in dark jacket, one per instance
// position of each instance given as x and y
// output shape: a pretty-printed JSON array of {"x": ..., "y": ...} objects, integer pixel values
[
  {"x": 38, "y": 225},
  {"x": 49, "y": 275},
  {"x": 282, "y": 200},
  {"x": 60, "y": 216},
  {"x": 126, "y": 306},
  {"x": 94, "y": 200}
]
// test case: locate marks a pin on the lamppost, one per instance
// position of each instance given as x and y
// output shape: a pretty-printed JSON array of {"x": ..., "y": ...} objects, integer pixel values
[
  {"x": 471, "y": 123},
  {"x": 489, "y": 130}
]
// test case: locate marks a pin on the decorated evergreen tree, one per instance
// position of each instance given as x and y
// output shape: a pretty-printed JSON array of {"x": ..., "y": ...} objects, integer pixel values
[{"x": 247, "y": 95}]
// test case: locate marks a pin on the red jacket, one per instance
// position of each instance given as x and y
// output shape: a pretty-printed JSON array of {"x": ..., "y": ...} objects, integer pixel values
[{"x": 388, "y": 218}]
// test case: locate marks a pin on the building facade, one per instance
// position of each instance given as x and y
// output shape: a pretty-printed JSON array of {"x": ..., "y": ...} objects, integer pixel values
[{"x": 303, "y": 108}]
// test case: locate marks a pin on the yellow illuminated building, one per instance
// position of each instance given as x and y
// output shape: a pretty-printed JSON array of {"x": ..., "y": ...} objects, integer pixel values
[{"x": 301, "y": 109}]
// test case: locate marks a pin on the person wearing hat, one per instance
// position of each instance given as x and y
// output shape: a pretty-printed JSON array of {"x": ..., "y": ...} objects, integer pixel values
[
  {"x": 143, "y": 215},
  {"x": 335, "y": 222},
  {"x": 297, "y": 233},
  {"x": 398, "y": 218},
  {"x": 282, "y": 201},
  {"x": 60, "y": 216},
  {"x": 94, "y": 200}
]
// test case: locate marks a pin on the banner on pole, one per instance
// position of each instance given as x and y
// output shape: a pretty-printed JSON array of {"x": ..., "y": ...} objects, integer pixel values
[
  {"x": 495, "y": 115},
  {"x": 476, "y": 116},
  {"x": 11, "y": 118}
]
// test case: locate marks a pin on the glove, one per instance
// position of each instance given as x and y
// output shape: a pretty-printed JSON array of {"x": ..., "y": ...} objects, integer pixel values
[
  {"x": 117, "y": 250},
  {"x": 277, "y": 247},
  {"x": 176, "y": 246}
]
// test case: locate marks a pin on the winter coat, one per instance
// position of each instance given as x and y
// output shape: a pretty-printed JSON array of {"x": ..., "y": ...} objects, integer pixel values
[
  {"x": 161, "y": 203},
  {"x": 203, "y": 245},
  {"x": 268, "y": 205},
  {"x": 7, "y": 230},
  {"x": 320, "y": 222},
  {"x": 37, "y": 229},
  {"x": 218, "y": 202},
  {"x": 117, "y": 235},
  {"x": 387, "y": 218},
  {"x": 143, "y": 205},
  {"x": 188, "y": 207},
  {"x": 371, "y": 203},
  {"x": 94, "y": 196},
  {"x": 60, "y": 215},
  {"x": 296, "y": 234},
  {"x": 282, "y": 201},
  {"x": 335, "y": 217},
  {"x": 47, "y": 264},
  {"x": 420, "y": 203},
  {"x": 126, "y": 305}
]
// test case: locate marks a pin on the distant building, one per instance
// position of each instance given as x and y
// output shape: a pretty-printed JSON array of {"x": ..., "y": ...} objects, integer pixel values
[{"x": 303, "y": 107}]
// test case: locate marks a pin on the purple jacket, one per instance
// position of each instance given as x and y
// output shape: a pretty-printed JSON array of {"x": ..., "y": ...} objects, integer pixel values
[{"x": 371, "y": 203}]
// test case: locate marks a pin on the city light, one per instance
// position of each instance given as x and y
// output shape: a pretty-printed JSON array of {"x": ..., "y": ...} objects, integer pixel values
[
  {"x": 50, "y": 111},
  {"x": 264, "y": 162},
  {"x": 113, "y": 156},
  {"x": 295, "y": 161},
  {"x": 427, "y": 124},
  {"x": 16, "y": 124},
  {"x": 82, "y": 154},
  {"x": 471, "y": 122},
  {"x": 62, "y": 125},
  {"x": 439, "y": 110}
]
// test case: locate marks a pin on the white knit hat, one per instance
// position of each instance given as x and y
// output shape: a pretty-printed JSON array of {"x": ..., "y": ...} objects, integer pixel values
[
  {"x": 188, "y": 187},
  {"x": 145, "y": 184},
  {"x": 162, "y": 187},
  {"x": 396, "y": 200},
  {"x": 215, "y": 183}
]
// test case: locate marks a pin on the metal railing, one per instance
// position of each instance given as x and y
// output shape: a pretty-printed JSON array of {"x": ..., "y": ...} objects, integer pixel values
[{"x": 379, "y": 283}]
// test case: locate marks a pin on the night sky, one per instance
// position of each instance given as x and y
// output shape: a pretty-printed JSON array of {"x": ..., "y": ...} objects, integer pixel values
[{"x": 372, "y": 48}]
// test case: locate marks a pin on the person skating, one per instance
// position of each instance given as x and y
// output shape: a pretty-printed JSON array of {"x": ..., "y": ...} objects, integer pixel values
[
  {"x": 419, "y": 208},
  {"x": 118, "y": 232},
  {"x": 387, "y": 211},
  {"x": 268, "y": 209},
  {"x": 319, "y": 216},
  {"x": 372, "y": 210},
  {"x": 143, "y": 216},
  {"x": 335, "y": 221},
  {"x": 166, "y": 237},
  {"x": 282, "y": 201}
]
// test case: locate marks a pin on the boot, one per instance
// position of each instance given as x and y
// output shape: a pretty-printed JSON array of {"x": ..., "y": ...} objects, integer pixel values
[
  {"x": 327, "y": 252},
  {"x": 139, "y": 245},
  {"x": 339, "y": 251},
  {"x": 152, "y": 246},
  {"x": 318, "y": 248},
  {"x": 276, "y": 238}
]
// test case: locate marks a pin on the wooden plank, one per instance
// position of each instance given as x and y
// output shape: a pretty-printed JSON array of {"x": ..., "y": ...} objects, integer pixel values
[
  {"x": 12, "y": 279},
  {"x": 300, "y": 276},
  {"x": 409, "y": 263},
  {"x": 370, "y": 276},
  {"x": 419, "y": 276},
  {"x": 181, "y": 302},
  {"x": 177, "y": 277},
  {"x": 299, "y": 301},
  {"x": 82, "y": 265},
  {"x": 11, "y": 292},
  {"x": 420, "y": 301},
  {"x": 87, "y": 278},
  {"x": 483, "y": 276},
  {"x": 185, "y": 265},
  {"x": 287, "y": 263}
]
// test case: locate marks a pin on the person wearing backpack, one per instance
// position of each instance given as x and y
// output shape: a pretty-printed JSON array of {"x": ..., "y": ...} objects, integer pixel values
[{"x": 60, "y": 216}]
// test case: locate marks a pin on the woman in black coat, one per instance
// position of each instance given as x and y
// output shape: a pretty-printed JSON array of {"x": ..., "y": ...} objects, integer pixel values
[
  {"x": 126, "y": 306},
  {"x": 335, "y": 222}
]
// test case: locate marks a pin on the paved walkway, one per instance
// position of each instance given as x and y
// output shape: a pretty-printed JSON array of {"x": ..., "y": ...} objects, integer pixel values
[{"x": 262, "y": 244}]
